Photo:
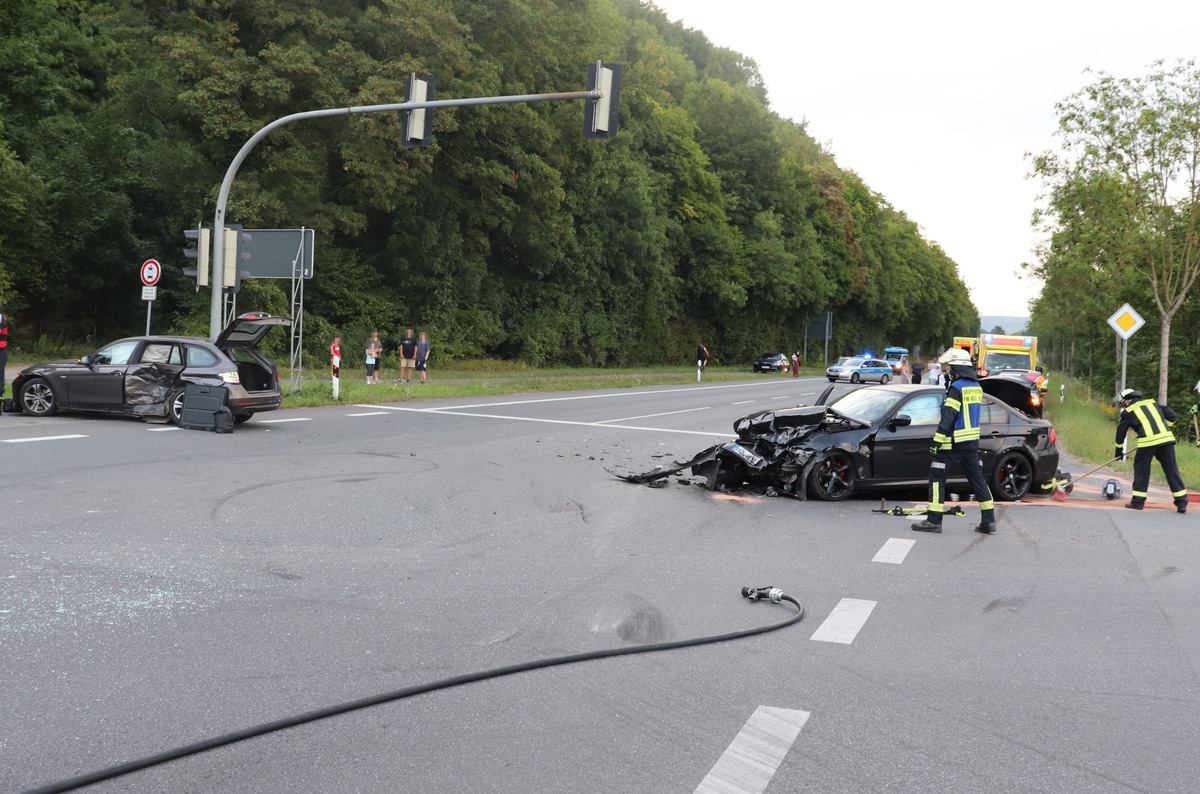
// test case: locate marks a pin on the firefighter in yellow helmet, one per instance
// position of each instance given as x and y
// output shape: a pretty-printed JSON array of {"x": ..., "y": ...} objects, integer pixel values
[
  {"x": 957, "y": 441},
  {"x": 1152, "y": 421}
]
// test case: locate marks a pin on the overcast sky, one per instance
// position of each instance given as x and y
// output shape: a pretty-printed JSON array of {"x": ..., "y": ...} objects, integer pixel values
[{"x": 934, "y": 104}]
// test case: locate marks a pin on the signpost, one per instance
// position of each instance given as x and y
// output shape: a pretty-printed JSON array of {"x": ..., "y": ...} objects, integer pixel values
[
  {"x": 151, "y": 271},
  {"x": 1126, "y": 323}
]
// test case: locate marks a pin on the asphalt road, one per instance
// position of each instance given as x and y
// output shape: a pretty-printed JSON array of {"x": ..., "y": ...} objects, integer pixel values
[{"x": 160, "y": 587}]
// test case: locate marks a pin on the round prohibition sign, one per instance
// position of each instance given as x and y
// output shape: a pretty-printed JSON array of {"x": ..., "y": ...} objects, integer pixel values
[{"x": 150, "y": 272}]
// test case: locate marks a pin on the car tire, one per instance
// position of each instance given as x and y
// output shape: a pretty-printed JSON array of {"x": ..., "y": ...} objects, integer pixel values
[
  {"x": 175, "y": 406},
  {"x": 239, "y": 419},
  {"x": 833, "y": 380},
  {"x": 832, "y": 480},
  {"x": 883, "y": 379},
  {"x": 37, "y": 398},
  {"x": 854, "y": 377},
  {"x": 1011, "y": 477}
]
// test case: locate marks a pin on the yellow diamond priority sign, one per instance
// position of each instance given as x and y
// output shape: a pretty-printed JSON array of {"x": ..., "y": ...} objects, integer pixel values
[{"x": 1126, "y": 321}]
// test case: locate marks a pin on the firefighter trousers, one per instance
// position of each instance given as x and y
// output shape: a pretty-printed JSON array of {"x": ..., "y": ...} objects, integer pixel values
[
  {"x": 968, "y": 460},
  {"x": 1142, "y": 459}
]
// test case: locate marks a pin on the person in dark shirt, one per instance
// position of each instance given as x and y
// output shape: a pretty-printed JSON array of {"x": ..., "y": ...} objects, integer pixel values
[{"x": 408, "y": 356}]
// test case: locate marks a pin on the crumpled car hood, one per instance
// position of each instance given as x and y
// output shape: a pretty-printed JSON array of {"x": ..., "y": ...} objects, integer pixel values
[{"x": 773, "y": 450}]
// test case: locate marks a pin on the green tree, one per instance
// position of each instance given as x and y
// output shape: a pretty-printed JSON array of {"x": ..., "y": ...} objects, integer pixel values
[{"x": 1131, "y": 163}]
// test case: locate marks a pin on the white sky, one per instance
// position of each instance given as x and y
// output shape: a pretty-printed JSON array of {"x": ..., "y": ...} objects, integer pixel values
[{"x": 934, "y": 104}]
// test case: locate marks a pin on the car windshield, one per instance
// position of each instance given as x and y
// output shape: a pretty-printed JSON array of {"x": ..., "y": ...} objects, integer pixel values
[
  {"x": 853, "y": 362},
  {"x": 841, "y": 361},
  {"x": 867, "y": 405},
  {"x": 1003, "y": 361},
  {"x": 768, "y": 356}
]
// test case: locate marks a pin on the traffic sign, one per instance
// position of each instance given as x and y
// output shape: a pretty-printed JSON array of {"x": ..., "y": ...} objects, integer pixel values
[
  {"x": 149, "y": 293},
  {"x": 150, "y": 272},
  {"x": 1126, "y": 321}
]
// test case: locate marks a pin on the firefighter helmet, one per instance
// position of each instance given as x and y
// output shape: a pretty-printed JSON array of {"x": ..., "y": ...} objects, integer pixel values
[
  {"x": 1129, "y": 396},
  {"x": 957, "y": 360}
]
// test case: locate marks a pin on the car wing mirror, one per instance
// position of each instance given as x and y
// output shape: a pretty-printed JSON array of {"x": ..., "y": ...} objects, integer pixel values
[
  {"x": 899, "y": 420},
  {"x": 86, "y": 361}
]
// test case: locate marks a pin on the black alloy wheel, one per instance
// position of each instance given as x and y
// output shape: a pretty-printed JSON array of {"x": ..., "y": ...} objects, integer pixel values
[
  {"x": 1012, "y": 477},
  {"x": 832, "y": 480}
]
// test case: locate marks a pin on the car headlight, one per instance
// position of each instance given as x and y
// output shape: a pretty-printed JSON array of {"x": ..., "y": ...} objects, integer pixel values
[{"x": 230, "y": 377}]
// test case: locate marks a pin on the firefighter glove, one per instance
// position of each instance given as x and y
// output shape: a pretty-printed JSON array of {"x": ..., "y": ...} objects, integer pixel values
[
  {"x": 1118, "y": 452},
  {"x": 934, "y": 450}
]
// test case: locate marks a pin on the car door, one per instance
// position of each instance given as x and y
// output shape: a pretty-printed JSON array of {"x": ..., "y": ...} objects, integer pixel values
[
  {"x": 994, "y": 431},
  {"x": 902, "y": 452},
  {"x": 101, "y": 381}
]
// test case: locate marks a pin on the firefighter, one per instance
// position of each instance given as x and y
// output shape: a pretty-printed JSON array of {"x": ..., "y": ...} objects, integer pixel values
[
  {"x": 1152, "y": 422},
  {"x": 957, "y": 441}
]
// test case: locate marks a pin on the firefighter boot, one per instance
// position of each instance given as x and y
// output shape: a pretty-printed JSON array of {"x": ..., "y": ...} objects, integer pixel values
[
  {"x": 987, "y": 522},
  {"x": 927, "y": 525},
  {"x": 1136, "y": 505}
]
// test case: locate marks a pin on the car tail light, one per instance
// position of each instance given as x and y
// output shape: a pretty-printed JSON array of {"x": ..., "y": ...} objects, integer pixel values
[
  {"x": 1036, "y": 399},
  {"x": 230, "y": 377},
  {"x": 1053, "y": 437}
]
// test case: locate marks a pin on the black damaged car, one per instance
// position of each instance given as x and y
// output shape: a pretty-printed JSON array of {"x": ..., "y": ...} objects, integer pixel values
[
  {"x": 871, "y": 439},
  {"x": 146, "y": 376}
]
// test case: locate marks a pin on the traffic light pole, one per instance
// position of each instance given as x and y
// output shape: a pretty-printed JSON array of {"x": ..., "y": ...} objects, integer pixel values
[{"x": 218, "y": 270}]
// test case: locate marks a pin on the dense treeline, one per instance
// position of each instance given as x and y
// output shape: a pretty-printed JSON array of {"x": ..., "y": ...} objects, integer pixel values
[{"x": 709, "y": 218}]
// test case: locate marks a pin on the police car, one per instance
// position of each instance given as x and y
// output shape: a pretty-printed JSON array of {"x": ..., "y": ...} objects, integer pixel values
[{"x": 860, "y": 368}]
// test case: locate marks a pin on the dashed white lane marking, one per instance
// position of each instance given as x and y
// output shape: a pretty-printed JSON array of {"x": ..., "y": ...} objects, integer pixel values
[
  {"x": 41, "y": 438},
  {"x": 894, "y": 550},
  {"x": 370, "y": 413},
  {"x": 845, "y": 621},
  {"x": 743, "y": 402},
  {"x": 162, "y": 429},
  {"x": 750, "y": 761},
  {"x": 281, "y": 421},
  {"x": 650, "y": 416}
]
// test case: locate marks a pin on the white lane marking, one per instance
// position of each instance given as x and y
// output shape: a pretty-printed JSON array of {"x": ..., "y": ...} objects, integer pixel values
[
  {"x": 606, "y": 396},
  {"x": 743, "y": 402},
  {"x": 162, "y": 429},
  {"x": 370, "y": 413},
  {"x": 845, "y": 621},
  {"x": 651, "y": 416},
  {"x": 750, "y": 761},
  {"x": 449, "y": 412},
  {"x": 41, "y": 438},
  {"x": 780, "y": 397},
  {"x": 280, "y": 421},
  {"x": 894, "y": 550}
]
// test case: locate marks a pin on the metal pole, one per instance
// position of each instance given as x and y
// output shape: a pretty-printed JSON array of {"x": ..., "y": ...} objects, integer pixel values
[
  {"x": 218, "y": 274},
  {"x": 149, "y": 304},
  {"x": 1125, "y": 350}
]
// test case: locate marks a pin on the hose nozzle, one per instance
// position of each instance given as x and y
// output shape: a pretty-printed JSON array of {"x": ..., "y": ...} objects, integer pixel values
[{"x": 774, "y": 594}]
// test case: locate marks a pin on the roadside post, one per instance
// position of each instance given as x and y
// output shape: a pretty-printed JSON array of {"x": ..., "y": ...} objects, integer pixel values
[
  {"x": 150, "y": 274},
  {"x": 1126, "y": 322}
]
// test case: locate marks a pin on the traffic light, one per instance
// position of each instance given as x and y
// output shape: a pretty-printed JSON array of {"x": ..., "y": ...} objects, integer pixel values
[
  {"x": 418, "y": 123},
  {"x": 200, "y": 253},
  {"x": 600, "y": 115},
  {"x": 231, "y": 273}
]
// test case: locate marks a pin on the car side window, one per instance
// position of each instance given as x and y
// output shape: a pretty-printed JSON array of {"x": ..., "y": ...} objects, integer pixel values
[
  {"x": 159, "y": 353},
  {"x": 117, "y": 354},
  {"x": 990, "y": 413},
  {"x": 199, "y": 357},
  {"x": 924, "y": 409}
]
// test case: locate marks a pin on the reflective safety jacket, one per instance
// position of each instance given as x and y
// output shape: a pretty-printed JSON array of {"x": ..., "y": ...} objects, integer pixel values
[
  {"x": 1151, "y": 420},
  {"x": 959, "y": 426}
]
